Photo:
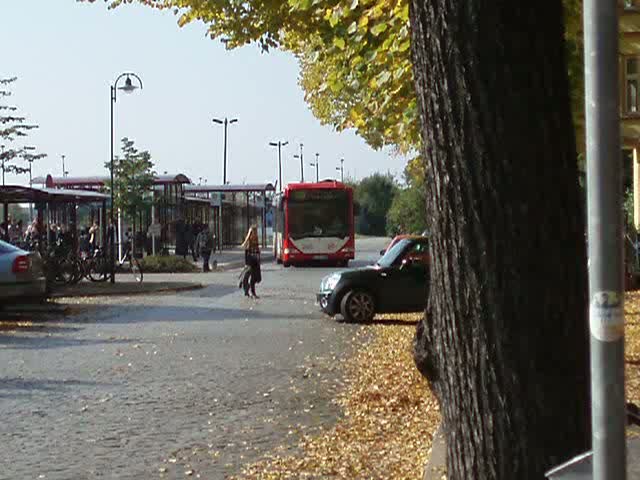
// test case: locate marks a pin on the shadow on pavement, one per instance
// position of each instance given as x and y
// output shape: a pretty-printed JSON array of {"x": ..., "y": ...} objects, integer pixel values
[
  {"x": 20, "y": 387},
  {"x": 38, "y": 342}
]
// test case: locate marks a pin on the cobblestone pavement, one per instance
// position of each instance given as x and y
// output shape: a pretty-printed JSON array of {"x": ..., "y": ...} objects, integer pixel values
[{"x": 162, "y": 386}]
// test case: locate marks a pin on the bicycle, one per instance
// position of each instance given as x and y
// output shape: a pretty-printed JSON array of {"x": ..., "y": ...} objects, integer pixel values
[{"x": 130, "y": 264}]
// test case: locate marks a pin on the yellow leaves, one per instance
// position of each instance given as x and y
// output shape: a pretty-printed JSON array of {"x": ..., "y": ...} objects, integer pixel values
[{"x": 389, "y": 416}]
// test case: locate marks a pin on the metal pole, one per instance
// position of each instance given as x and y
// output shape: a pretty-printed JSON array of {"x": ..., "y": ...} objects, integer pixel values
[
  {"x": 317, "y": 167},
  {"x": 301, "y": 165},
  {"x": 342, "y": 170},
  {"x": 606, "y": 286},
  {"x": 63, "y": 169},
  {"x": 280, "y": 165},
  {"x": 224, "y": 169},
  {"x": 111, "y": 220}
]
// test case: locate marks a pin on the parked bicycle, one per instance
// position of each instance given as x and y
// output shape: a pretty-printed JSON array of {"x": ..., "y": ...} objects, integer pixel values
[{"x": 98, "y": 266}]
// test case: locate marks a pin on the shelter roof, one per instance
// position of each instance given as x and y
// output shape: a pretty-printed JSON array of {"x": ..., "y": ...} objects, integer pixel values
[
  {"x": 100, "y": 181},
  {"x": 22, "y": 194},
  {"x": 248, "y": 188}
]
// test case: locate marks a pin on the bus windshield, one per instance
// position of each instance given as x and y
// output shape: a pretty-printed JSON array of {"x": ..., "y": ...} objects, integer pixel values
[{"x": 318, "y": 213}]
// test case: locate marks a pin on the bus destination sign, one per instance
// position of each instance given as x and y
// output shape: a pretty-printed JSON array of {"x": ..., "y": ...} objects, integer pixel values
[{"x": 307, "y": 195}]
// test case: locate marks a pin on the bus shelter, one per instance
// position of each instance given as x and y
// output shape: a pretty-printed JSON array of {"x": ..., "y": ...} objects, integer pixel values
[
  {"x": 240, "y": 207},
  {"x": 53, "y": 206}
]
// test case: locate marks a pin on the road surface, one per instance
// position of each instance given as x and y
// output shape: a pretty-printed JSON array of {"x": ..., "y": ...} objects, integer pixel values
[{"x": 161, "y": 386}]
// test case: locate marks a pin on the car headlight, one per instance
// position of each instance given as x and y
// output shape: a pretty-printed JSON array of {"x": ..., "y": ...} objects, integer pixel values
[{"x": 330, "y": 282}]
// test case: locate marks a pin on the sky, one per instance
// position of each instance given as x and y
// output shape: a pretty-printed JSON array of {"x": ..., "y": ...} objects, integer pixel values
[{"x": 67, "y": 54}]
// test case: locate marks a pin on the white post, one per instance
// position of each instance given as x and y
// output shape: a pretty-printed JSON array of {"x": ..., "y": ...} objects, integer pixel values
[
  {"x": 153, "y": 232},
  {"x": 119, "y": 234}
]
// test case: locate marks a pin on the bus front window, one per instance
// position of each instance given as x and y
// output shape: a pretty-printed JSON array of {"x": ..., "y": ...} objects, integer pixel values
[{"x": 321, "y": 217}]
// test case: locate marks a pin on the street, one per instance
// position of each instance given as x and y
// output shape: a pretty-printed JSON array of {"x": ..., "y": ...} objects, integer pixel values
[{"x": 195, "y": 383}]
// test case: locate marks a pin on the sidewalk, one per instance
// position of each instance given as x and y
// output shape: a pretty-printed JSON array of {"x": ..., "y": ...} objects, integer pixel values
[
  {"x": 126, "y": 285},
  {"x": 233, "y": 257}
]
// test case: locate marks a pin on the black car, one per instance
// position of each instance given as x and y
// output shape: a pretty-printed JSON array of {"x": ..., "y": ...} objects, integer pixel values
[{"x": 398, "y": 282}]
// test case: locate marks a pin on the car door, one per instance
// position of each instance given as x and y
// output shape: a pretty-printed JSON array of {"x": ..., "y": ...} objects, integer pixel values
[
  {"x": 404, "y": 285},
  {"x": 411, "y": 279}
]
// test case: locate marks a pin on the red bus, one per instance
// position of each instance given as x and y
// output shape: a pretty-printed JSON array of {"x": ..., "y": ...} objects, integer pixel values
[{"x": 313, "y": 223}]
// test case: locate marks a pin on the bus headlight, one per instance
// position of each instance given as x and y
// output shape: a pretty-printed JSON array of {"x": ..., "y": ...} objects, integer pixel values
[
  {"x": 330, "y": 282},
  {"x": 286, "y": 251}
]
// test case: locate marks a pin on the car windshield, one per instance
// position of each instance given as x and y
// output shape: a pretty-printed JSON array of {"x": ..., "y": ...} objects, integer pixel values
[
  {"x": 393, "y": 254},
  {"x": 7, "y": 248},
  {"x": 319, "y": 213}
]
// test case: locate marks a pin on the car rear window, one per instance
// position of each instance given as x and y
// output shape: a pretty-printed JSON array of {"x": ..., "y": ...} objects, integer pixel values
[{"x": 7, "y": 247}]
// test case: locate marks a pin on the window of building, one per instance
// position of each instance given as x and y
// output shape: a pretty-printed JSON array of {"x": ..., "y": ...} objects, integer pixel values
[{"x": 632, "y": 84}]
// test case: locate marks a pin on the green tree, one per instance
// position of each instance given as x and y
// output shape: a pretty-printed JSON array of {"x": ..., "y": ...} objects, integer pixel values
[
  {"x": 13, "y": 127},
  {"x": 374, "y": 195},
  {"x": 407, "y": 213},
  {"x": 133, "y": 179}
]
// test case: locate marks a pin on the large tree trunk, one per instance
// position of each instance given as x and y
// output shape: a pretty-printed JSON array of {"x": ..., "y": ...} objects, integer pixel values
[{"x": 504, "y": 342}]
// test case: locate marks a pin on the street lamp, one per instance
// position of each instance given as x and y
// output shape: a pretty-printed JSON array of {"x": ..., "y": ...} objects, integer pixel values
[
  {"x": 226, "y": 122},
  {"x": 317, "y": 167},
  {"x": 64, "y": 171},
  {"x": 279, "y": 145},
  {"x": 2, "y": 155},
  {"x": 341, "y": 170},
  {"x": 301, "y": 164},
  {"x": 128, "y": 87}
]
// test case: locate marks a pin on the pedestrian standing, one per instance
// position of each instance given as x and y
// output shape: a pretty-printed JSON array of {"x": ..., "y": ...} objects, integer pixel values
[
  {"x": 205, "y": 245},
  {"x": 253, "y": 274}
]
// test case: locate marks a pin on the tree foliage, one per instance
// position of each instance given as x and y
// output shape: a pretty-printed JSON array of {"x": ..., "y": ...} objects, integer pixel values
[
  {"x": 13, "y": 128},
  {"x": 355, "y": 56},
  {"x": 407, "y": 213},
  {"x": 133, "y": 178},
  {"x": 374, "y": 196}
]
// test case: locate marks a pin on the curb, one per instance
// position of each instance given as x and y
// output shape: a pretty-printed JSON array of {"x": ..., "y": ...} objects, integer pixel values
[
  {"x": 185, "y": 288},
  {"x": 436, "y": 466}
]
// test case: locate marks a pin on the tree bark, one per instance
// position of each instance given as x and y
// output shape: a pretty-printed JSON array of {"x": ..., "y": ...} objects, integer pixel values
[{"x": 504, "y": 343}]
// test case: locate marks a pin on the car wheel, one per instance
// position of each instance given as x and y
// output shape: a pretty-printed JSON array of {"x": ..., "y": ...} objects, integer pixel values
[
  {"x": 358, "y": 306},
  {"x": 286, "y": 264}
]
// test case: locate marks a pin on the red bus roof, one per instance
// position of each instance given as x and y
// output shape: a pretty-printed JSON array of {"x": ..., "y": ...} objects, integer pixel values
[{"x": 317, "y": 186}]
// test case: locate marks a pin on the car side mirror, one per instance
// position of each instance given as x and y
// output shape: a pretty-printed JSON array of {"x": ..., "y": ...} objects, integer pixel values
[{"x": 382, "y": 252}]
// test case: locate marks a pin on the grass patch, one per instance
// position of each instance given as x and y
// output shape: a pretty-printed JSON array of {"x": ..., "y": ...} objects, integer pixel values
[{"x": 167, "y": 264}]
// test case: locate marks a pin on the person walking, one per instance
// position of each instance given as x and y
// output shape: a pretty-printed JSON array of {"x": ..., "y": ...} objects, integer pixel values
[
  {"x": 205, "y": 245},
  {"x": 252, "y": 274}
]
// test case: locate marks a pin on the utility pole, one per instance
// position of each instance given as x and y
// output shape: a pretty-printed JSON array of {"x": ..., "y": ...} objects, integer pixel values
[
  {"x": 301, "y": 164},
  {"x": 2, "y": 154},
  {"x": 341, "y": 170},
  {"x": 279, "y": 144},
  {"x": 605, "y": 237},
  {"x": 317, "y": 167},
  {"x": 64, "y": 172},
  {"x": 226, "y": 122}
]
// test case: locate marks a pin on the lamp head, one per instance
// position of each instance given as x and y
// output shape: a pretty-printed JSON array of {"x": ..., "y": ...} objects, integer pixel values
[
  {"x": 128, "y": 87},
  {"x": 273, "y": 144}
]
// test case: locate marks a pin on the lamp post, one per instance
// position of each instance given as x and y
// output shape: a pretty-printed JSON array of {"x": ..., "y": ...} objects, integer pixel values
[
  {"x": 301, "y": 164},
  {"x": 64, "y": 171},
  {"x": 317, "y": 167},
  {"x": 279, "y": 145},
  {"x": 128, "y": 87},
  {"x": 341, "y": 170},
  {"x": 2, "y": 155},
  {"x": 225, "y": 122}
]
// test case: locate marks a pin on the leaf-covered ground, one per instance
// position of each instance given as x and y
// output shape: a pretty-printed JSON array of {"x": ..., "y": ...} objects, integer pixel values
[{"x": 389, "y": 417}]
